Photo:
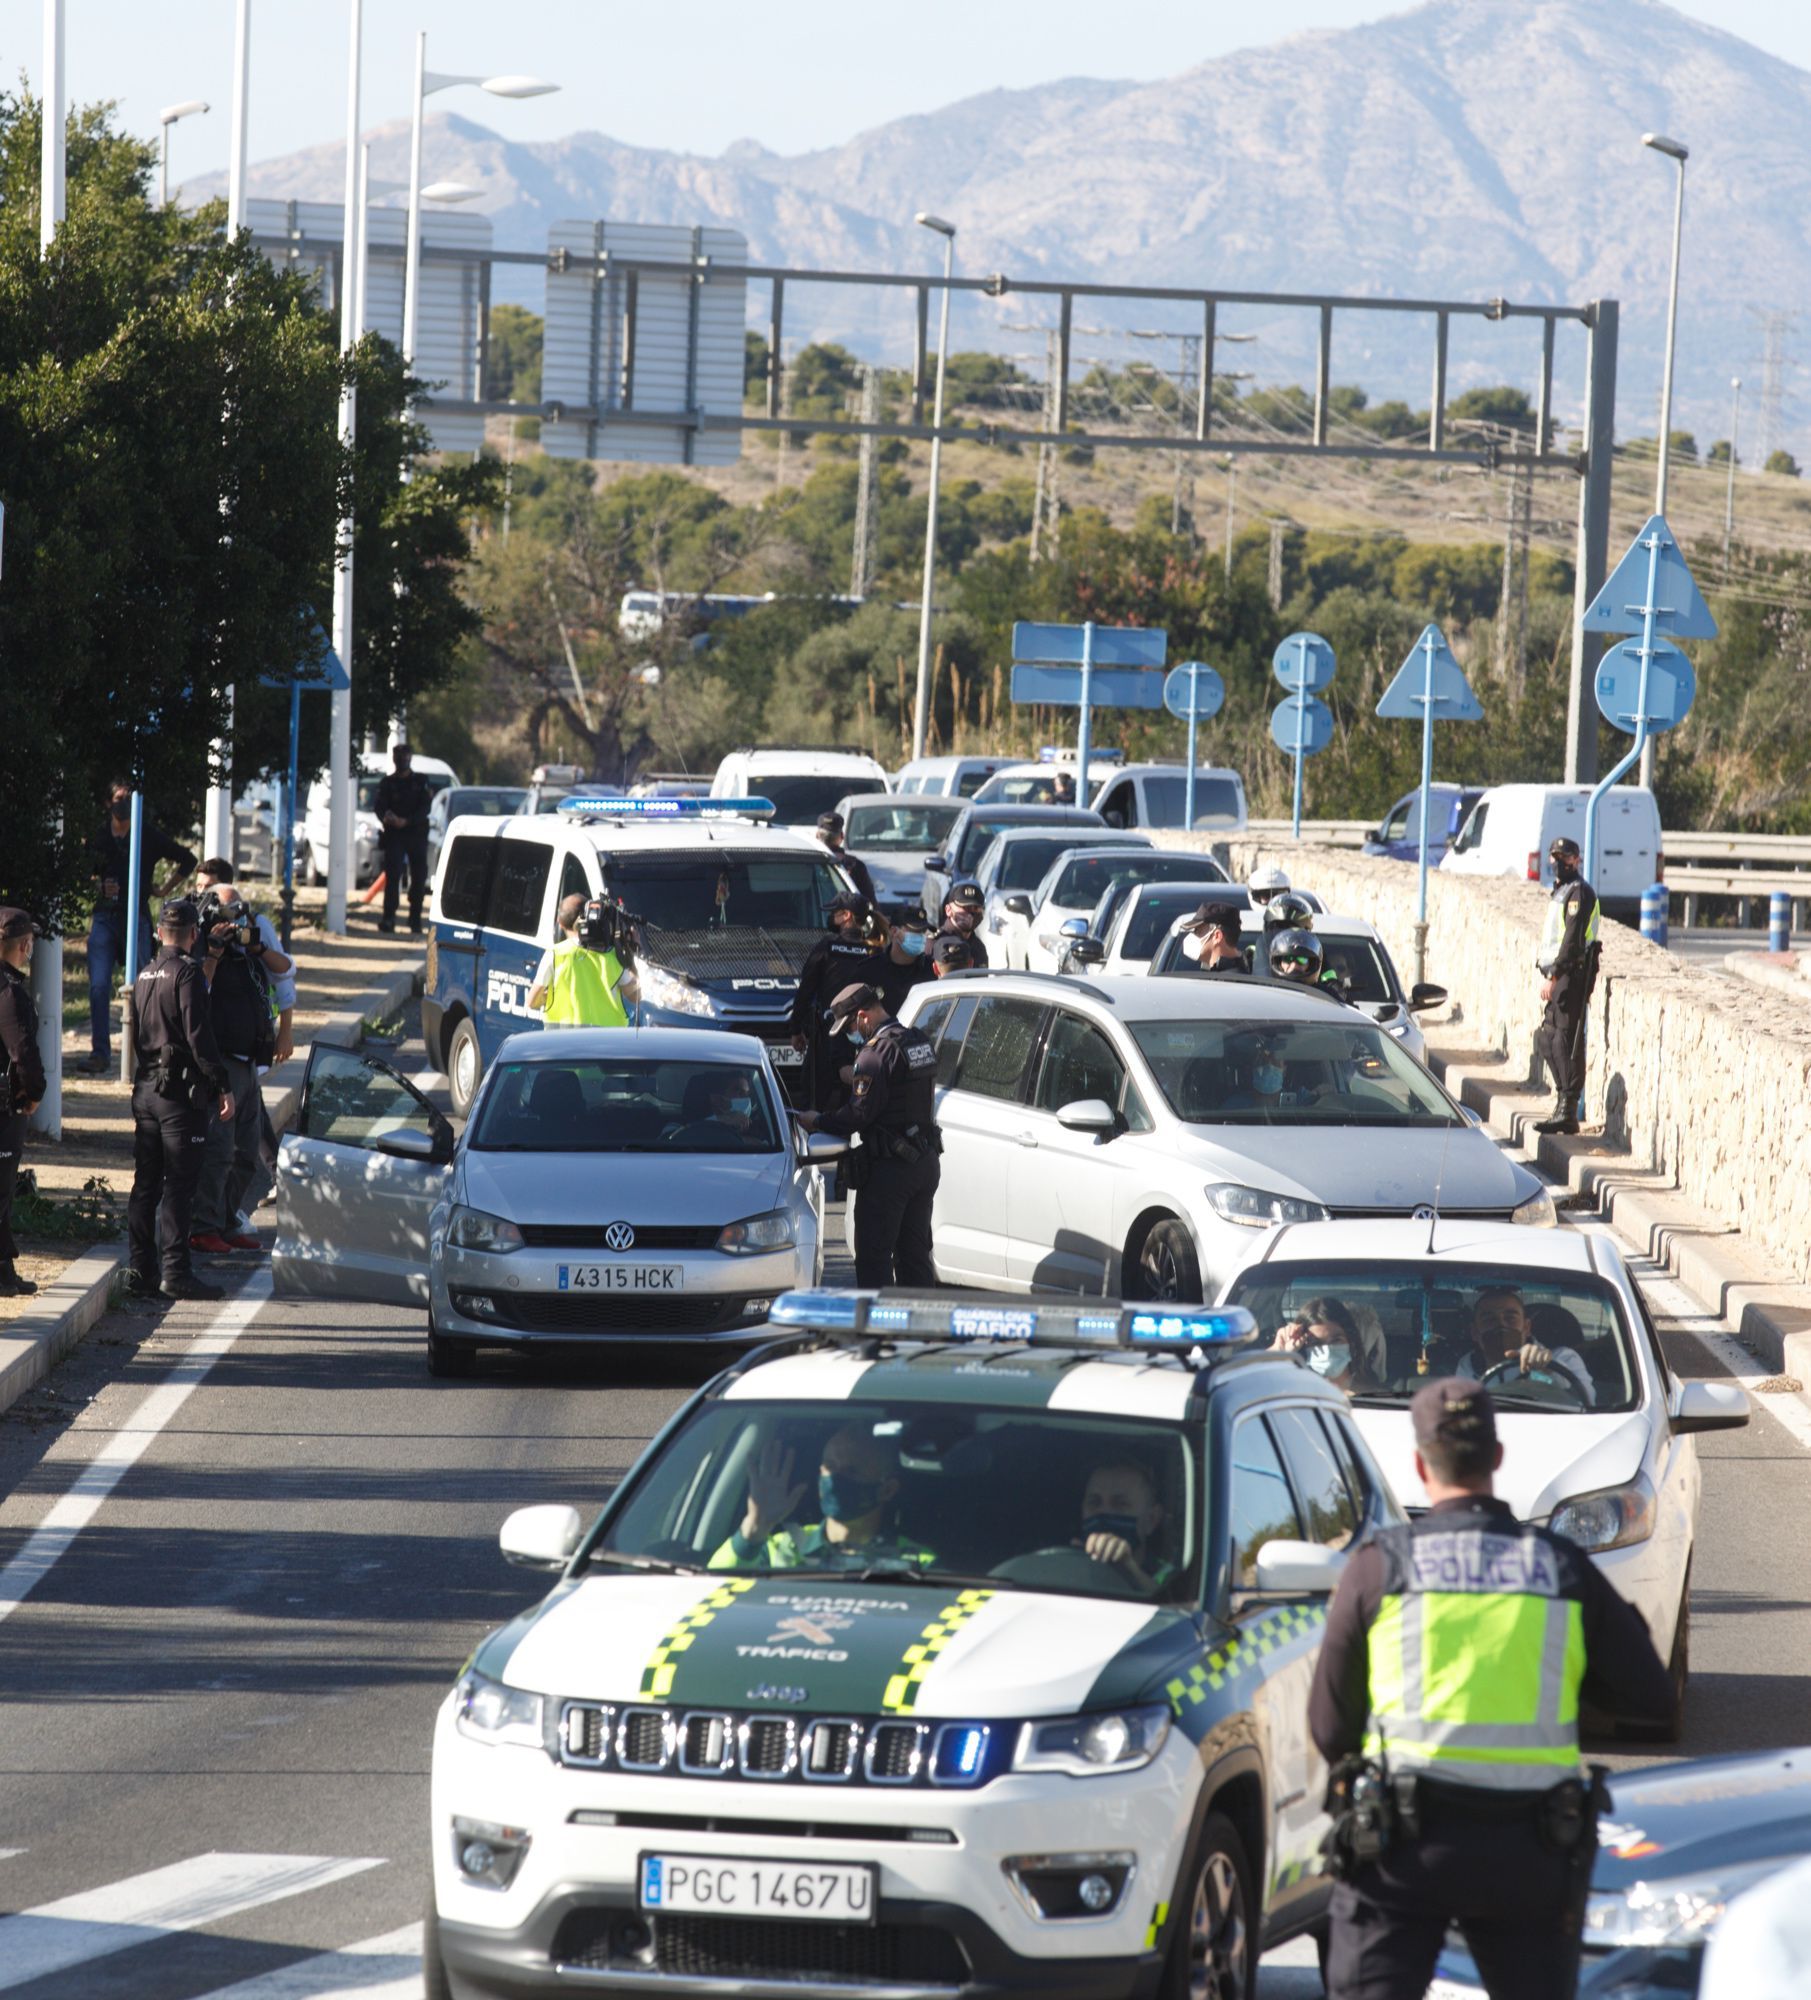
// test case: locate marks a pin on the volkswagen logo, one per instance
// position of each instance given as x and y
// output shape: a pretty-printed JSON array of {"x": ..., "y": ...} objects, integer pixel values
[
  {"x": 619, "y": 1236},
  {"x": 1420, "y": 1215}
]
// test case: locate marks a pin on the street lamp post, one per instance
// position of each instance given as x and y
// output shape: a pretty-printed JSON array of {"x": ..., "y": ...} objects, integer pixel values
[
  {"x": 921, "y": 706},
  {"x": 1678, "y": 154},
  {"x": 339, "y": 838},
  {"x": 52, "y": 191},
  {"x": 168, "y": 116}
]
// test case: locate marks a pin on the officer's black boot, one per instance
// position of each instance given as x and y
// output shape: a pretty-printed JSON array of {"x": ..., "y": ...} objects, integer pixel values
[
  {"x": 12, "y": 1286},
  {"x": 1562, "y": 1118},
  {"x": 192, "y": 1288}
]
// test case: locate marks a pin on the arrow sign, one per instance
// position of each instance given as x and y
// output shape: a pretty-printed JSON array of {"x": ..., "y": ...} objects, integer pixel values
[
  {"x": 1305, "y": 713},
  {"x": 1622, "y": 605},
  {"x": 1671, "y": 686},
  {"x": 1447, "y": 694},
  {"x": 1304, "y": 663},
  {"x": 1113, "y": 645}
]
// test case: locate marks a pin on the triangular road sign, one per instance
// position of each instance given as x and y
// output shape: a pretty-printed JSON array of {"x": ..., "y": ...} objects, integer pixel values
[
  {"x": 1680, "y": 611},
  {"x": 1404, "y": 698}
]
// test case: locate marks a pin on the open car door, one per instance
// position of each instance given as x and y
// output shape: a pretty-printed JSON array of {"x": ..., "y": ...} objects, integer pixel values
[{"x": 357, "y": 1182}]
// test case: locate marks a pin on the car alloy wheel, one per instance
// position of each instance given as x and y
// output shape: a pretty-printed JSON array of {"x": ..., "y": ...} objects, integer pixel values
[
  {"x": 1168, "y": 1268},
  {"x": 464, "y": 1067},
  {"x": 1211, "y": 1952}
]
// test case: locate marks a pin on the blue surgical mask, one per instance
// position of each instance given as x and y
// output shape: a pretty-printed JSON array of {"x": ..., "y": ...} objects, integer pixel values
[
  {"x": 843, "y": 1497},
  {"x": 741, "y": 1107},
  {"x": 912, "y": 944},
  {"x": 1125, "y": 1526},
  {"x": 1331, "y": 1360},
  {"x": 1267, "y": 1078},
  {"x": 858, "y": 1038}
]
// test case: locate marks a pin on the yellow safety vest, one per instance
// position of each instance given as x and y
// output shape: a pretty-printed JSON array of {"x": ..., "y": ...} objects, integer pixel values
[
  {"x": 583, "y": 993},
  {"x": 1476, "y": 1659},
  {"x": 1553, "y": 930}
]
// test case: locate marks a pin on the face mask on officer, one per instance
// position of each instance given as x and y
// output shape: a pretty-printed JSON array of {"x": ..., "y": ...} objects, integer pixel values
[
  {"x": 961, "y": 918},
  {"x": 1565, "y": 865},
  {"x": 1194, "y": 947},
  {"x": 1118, "y": 1501},
  {"x": 853, "y": 1478},
  {"x": 912, "y": 943}
]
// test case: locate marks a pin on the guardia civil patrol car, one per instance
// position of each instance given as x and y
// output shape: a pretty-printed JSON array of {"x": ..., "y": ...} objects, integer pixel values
[
  {"x": 722, "y": 907},
  {"x": 946, "y": 1645}
]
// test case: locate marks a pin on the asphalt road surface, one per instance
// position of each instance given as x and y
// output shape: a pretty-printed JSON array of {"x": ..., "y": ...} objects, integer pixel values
[{"x": 245, "y": 1548}]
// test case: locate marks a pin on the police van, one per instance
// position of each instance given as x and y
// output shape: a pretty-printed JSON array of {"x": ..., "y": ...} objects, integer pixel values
[{"x": 721, "y": 908}]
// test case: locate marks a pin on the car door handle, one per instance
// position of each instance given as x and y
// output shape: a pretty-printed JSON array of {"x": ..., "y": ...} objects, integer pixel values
[{"x": 1025, "y": 1138}]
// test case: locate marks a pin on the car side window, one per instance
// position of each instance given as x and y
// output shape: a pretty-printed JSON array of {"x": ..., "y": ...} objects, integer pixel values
[
  {"x": 931, "y": 1017},
  {"x": 462, "y": 883},
  {"x": 1471, "y": 834},
  {"x": 1078, "y": 1063},
  {"x": 949, "y": 1043},
  {"x": 1396, "y": 827},
  {"x": 1263, "y": 1507},
  {"x": 519, "y": 887},
  {"x": 1320, "y": 1480},
  {"x": 1117, "y": 807},
  {"x": 997, "y": 1048},
  {"x": 351, "y": 1102},
  {"x": 574, "y": 881}
]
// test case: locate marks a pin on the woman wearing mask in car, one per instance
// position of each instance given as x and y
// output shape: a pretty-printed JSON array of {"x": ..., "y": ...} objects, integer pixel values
[{"x": 1325, "y": 1334}]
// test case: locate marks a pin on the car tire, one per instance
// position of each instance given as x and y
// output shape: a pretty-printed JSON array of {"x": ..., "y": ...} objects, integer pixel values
[
  {"x": 1213, "y": 1949},
  {"x": 464, "y": 1067},
  {"x": 1166, "y": 1266},
  {"x": 448, "y": 1356},
  {"x": 435, "y": 1984}
]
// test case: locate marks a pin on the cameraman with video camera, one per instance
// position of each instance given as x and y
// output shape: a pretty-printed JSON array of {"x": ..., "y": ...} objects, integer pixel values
[
  {"x": 243, "y": 1009},
  {"x": 588, "y": 979}
]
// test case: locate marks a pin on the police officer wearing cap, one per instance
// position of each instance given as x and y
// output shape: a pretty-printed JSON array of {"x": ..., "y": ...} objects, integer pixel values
[
  {"x": 962, "y": 909},
  {"x": 401, "y": 805},
  {"x": 1446, "y": 1697},
  {"x": 21, "y": 1080},
  {"x": 182, "y": 1085},
  {"x": 831, "y": 964},
  {"x": 830, "y": 832},
  {"x": 1568, "y": 963},
  {"x": 949, "y": 953},
  {"x": 892, "y": 1106},
  {"x": 1210, "y": 939}
]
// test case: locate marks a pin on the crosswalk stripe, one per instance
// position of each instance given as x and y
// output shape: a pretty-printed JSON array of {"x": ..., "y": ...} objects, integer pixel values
[
  {"x": 181, "y": 1897},
  {"x": 381, "y": 1968}
]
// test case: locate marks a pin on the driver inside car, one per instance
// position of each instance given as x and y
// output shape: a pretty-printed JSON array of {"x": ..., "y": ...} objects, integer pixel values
[
  {"x": 1121, "y": 1519},
  {"x": 857, "y": 1485},
  {"x": 1502, "y": 1336}
]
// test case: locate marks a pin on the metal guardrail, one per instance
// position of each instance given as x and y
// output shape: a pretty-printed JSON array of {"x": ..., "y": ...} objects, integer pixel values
[{"x": 1779, "y": 852}]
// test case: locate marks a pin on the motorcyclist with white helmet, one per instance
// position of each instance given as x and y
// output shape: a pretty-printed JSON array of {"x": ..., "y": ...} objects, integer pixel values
[{"x": 1265, "y": 883}]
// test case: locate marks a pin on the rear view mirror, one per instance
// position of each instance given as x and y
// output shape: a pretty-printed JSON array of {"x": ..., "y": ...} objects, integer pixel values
[
  {"x": 541, "y": 1537},
  {"x": 1291, "y": 1569},
  {"x": 1424, "y": 995},
  {"x": 1710, "y": 1406},
  {"x": 1088, "y": 1114}
]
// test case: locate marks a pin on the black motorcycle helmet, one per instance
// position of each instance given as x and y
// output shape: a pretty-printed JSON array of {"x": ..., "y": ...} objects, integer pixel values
[
  {"x": 1289, "y": 912},
  {"x": 1297, "y": 955}
]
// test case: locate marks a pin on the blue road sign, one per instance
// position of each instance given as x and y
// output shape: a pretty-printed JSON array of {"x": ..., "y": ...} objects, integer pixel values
[
  {"x": 1678, "y": 607},
  {"x": 1303, "y": 663},
  {"x": 1110, "y": 645},
  {"x": 1109, "y": 687},
  {"x": 1430, "y": 686},
  {"x": 1193, "y": 692},
  {"x": 1302, "y": 722},
  {"x": 1672, "y": 686}
]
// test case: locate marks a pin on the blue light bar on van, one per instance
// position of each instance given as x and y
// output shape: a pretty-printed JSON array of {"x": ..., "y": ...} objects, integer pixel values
[
  {"x": 994, "y": 1321},
  {"x": 665, "y": 808}
]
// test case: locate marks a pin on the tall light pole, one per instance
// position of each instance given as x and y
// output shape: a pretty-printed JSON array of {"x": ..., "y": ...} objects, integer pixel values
[
  {"x": 190, "y": 107},
  {"x": 1729, "y": 488},
  {"x": 427, "y": 81},
  {"x": 1678, "y": 154},
  {"x": 339, "y": 838},
  {"x": 921, "y": 706}
]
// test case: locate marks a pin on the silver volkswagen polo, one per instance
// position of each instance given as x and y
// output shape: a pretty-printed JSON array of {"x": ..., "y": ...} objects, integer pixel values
[{"x": 611, "y": 1184}]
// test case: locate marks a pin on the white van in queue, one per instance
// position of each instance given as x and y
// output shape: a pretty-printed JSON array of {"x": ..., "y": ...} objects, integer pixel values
[
  {"x": 800, "y": 780},
  {"x": 315, "y": 835},
  {"x": 1510, "y": 829}
]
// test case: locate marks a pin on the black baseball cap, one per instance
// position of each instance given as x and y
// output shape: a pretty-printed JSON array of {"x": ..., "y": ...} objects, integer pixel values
[
  {"x": 966, "y": 896},
  {"x": 1216, "y": 917},
  {"x": 848, "y": 1003},
  {"x": 949, "y": 951},
  {"x": 179, "y": 914},
  {"x": 829, "y": 822},
  {"x": 1564, "y": 844},
  {"x": 15, "y": 923},
  {"x": 1453, "y": 1411}
]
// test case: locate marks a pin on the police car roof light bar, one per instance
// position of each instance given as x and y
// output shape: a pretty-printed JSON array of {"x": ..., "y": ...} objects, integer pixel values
[
  {"x": 583, "y": 808},
  {"x": 986, "y": 1319}
]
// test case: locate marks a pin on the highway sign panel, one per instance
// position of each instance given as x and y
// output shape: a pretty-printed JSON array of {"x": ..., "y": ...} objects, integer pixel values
[
  {"x": 1193, "y": 692},
  {"x": 1407, "y": 696},
  {"x": 1309, "y": 714},
  {"x": 1108, "y": 687},
  {"x": 1113, "y": 646},
  {"x": 1671, "y": 686},
  {"x": 1679, "y": 607},
  {"x": 1304, "y": 663}
]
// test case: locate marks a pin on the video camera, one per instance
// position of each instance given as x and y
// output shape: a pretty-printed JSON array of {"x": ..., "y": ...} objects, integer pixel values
[
  {"x": 211, "y": 912},
  {"x": 604, "y": 927}
]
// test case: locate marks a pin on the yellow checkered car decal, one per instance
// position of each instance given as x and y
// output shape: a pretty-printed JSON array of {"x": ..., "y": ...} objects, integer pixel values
[
  {"x": 1225, "y": 1664},
  {"x": 657, "y": 1675},
  {"x": 902, "y": 1688}
]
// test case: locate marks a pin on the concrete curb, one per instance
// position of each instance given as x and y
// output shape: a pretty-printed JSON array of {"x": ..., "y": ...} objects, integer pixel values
[
  {"x": 36, "y": 1341},
  {"x": 1713, "y": 1262}
]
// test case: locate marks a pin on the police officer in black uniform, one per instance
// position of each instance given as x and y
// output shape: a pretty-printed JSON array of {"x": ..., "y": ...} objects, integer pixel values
[
  {"x": 401, "y": 806},
  {"x": 830, "y": 832},
  {"x": 182, "y": 1084},
  {"x": 962, "y": 909},
  {"x": 892, "y": 1106},
  {"x": 829, "y": 966},
  {"x": 21, "y": 1080},
  {"x": 1568, "y": 961}
]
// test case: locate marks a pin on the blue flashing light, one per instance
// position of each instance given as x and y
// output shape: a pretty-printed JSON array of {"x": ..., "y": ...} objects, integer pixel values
[
  {"x": 1015, "y": 1323},
  {"x": 959, "y": 1753},
  {"x": 1229, "y": 1326},
  {"x": 835, "y": 1312},
  {"x": 665, "y": 808}
]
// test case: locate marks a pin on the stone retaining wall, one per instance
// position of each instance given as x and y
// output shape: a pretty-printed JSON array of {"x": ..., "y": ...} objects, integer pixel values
[{"x": 1693, "y": 1074}]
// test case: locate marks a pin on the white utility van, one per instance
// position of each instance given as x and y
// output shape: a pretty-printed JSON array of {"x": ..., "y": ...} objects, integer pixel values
[
  {"x": 801, "y": 780},
  {"x": 948, "y": 777},
  {"x": 1510, "y": 829},
  {"x": 316, "y": 831},
  {"x": 1157, "y": 795}
]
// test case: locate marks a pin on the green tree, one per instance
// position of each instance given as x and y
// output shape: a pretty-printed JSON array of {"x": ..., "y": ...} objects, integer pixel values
[
  {"x": 1503, "y": 406},
  {"x": 1782, "y": 462}
]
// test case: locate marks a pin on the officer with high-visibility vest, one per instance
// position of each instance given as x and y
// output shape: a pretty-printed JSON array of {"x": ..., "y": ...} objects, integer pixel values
[
  {"x": 1446, "y": 1699},
  {"x": 586, "y": 981},
  {"x": 1568, "y": 963}
]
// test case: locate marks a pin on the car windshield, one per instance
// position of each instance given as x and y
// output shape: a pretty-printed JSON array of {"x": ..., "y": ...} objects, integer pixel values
[
  {"x": 495, "y": 802},
  {"x": 916, "y": 827},
  {"x": 596, "y": 1106},
  {"x": 1024, "y": 863},
  {"x": 980, "y": 828},
  {"x": 1085, "y": 879},
  {"x": 798, "y": 797},
  {"x": 709, "y": 890},
  {"x": 1149, "y": 924},
  {"x": 1362, "y": 968},
  {"x": 1217, "y": 800},
  {"x": 1342, "y": 1071},
  {"x": 1031, "y": 788},
  {"x": 1463, "y": 1320},
  {"x": 918, "y": 1488}
]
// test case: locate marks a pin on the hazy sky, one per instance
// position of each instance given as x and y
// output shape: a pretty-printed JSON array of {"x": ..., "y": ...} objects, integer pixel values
[{"x": 692, "y": 75}]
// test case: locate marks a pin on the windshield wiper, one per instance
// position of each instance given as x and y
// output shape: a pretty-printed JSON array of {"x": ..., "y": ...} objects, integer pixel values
[
  {"x": 659, "y": 1565},
  {"x": 900, "y": 1572}
]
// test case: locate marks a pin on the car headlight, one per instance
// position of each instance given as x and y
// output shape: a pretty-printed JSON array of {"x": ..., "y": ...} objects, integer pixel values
[
  {"x": 368, "y": 828},
  {"x": 1089, "y": 1746},
  {"x": 1258, "y": 1208},
  {"x": 472, "y": 1229},
  {"x": 674, "y": 994},
  {"x": 1682, "y": 1910},
  {"x": 1607, "y": 1520},
  {"x": 772, "y": 1231},
  {"x": 489, "y": 1712},
  {"x": 1537, "y": 1212}
]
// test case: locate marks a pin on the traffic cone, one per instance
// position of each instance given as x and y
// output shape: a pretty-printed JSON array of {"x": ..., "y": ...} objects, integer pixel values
[{"x": 376, "y": 889}]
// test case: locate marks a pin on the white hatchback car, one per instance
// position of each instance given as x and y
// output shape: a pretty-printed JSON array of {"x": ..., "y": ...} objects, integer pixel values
[
  {"x": 1072, "y": 890},
  {"x": 1597, "y": 1441}
]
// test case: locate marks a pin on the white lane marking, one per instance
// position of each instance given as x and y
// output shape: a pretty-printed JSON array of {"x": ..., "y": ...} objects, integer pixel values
[
  {"x": 382, "y": 1968},
  {"x": 206, "y": 1889},
  {"x": 10, "y": 1853},
  {"x": 89, "y": 1490}
]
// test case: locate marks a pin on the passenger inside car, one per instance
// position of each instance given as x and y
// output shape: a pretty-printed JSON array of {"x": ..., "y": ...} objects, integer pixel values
[
  {"x": 1326, "y": 1334},
  {"x": 718, "y": 1108},
  {"x": 858, "y": 1486}
]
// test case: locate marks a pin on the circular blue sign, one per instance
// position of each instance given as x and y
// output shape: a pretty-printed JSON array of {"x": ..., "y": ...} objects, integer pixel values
[
  {"x": 1193, "y": 692},
  {"x": 1317, "y": 728},
  {"x": 1672, "y": 686},
  {"x": 1303, "y": 663}
]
